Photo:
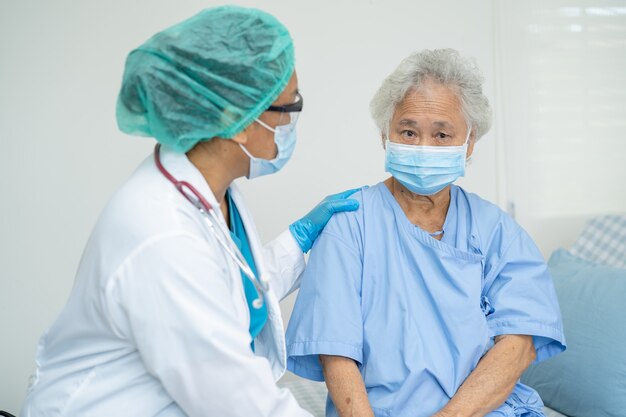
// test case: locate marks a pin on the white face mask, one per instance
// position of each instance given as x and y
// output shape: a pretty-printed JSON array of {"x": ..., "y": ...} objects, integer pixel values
[{"x": 285, "y": 139}]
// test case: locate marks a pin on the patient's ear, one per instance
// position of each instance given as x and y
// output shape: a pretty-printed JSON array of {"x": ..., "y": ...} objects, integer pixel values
[{"x": 470, "y": 145}]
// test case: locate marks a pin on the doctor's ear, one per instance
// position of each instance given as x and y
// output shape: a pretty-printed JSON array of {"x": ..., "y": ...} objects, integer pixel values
[{"x": 241, "y": 138}]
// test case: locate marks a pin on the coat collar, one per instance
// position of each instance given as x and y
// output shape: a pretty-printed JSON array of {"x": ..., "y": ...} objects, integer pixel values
[
  {"x": 181, "y": 168},
  {"x": 271, "y": 340}
]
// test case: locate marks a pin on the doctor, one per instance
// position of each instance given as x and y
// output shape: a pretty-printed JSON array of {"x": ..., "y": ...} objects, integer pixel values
[{"x": 174, "y": 310}]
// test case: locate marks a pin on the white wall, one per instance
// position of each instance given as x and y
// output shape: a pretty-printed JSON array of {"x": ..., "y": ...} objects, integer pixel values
[{"x": 62, "y": 156}]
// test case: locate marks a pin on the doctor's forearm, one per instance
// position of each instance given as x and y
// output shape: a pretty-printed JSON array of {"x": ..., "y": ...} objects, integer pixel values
[
  {"x": 346, "y": 387},
  {"x": 495, "y": 376}
]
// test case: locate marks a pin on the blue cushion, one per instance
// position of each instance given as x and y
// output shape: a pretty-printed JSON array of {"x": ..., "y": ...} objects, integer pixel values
[{"x": 589, "y": 378}]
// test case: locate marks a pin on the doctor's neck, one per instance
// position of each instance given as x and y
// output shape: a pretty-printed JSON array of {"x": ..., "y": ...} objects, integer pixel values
[{"x": 219, "y": 162}]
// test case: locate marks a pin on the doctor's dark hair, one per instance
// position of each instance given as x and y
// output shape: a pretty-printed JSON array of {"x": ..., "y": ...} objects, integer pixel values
[{"x": 445, "y": 66}]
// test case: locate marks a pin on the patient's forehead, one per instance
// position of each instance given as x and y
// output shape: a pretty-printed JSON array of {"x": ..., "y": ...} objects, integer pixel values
[{"x": 432, "y": 102}]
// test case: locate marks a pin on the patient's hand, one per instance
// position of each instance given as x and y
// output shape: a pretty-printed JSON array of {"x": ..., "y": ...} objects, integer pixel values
[
  {"x": 493, "y": 379},
  {"x": 346, "y": 386}
]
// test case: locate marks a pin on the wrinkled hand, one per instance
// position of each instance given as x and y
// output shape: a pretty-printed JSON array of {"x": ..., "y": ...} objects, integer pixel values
[{"x": 308, "y": 228}]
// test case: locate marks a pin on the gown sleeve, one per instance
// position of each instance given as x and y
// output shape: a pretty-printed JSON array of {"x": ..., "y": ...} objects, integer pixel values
[
  {"x": 284, "y": 262},
  {"x": 327, "y": 317},
  {"x": 174, "y": 300},
  {"x": 520, "y": 298}
]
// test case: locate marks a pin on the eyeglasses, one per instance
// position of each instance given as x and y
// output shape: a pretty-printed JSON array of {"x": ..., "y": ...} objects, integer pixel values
[
  {"x": 294, "y": 107},
  {"x": 292, "y": 110}
]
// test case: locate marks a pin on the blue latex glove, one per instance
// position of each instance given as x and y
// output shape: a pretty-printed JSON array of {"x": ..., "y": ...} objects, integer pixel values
[{"x": 308, "y": 228}]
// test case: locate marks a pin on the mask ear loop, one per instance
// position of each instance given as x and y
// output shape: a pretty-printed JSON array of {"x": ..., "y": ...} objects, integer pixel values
[
  {"x": 469, "y": 133},
  {"x": 271, "y": 129},
  {"x": 243, "y": 148},
  {"x": 247, "y": 152},
  {"x": 468, "y": 160}
]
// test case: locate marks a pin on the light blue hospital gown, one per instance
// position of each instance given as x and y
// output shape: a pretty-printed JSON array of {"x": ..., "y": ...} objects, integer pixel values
[{"x": 415, "y": 313}]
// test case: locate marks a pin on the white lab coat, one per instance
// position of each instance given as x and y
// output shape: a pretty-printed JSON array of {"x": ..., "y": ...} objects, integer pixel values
[{"x": 157, "y": 321}]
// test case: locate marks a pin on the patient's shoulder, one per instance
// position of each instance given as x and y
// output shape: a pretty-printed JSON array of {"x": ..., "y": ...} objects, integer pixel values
[
  {"x": 492, "y": 226},
  {"x": 374, "y": 204},
  {"x": 347, "y": 225}
]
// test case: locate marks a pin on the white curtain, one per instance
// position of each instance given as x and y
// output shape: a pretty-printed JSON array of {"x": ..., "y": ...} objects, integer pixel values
[{"x": 561, "y": 112}]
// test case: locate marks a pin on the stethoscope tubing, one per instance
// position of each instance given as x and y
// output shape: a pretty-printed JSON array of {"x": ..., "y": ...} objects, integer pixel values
[{"x": 213, "y": 222}]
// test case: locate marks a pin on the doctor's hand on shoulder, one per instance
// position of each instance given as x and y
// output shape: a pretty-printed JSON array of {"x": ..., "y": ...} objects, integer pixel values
[{"x": 308, "y": 228}]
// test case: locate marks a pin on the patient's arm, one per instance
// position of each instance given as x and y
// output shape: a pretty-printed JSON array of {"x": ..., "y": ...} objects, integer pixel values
[
  {"x": 345, "y": 386},
  {"x": 493, "y": 379}
]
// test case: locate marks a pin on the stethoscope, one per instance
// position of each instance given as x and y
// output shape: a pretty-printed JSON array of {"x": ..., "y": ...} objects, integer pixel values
[{"x": 208, "y": 214}]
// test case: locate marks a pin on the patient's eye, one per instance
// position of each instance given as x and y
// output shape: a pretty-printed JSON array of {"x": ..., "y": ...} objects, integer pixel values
[
  {"x": 408, "y": 134},
  {"x": 443, "y": 138}
]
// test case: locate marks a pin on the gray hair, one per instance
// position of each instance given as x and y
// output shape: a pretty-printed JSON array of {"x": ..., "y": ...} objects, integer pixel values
[{"x": 445, "y": 66}]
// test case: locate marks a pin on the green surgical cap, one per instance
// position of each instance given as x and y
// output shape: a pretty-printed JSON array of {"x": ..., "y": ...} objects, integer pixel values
[{"x": 209, "y": 76}]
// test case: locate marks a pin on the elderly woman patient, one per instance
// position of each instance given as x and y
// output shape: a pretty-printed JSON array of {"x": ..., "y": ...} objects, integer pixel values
[{"x": 427, "y": 300}]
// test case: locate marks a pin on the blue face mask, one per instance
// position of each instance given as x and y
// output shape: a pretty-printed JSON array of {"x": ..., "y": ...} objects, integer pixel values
[
  {"x": 285, "y": 139},
  {"x": 425, "y": 170}
]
